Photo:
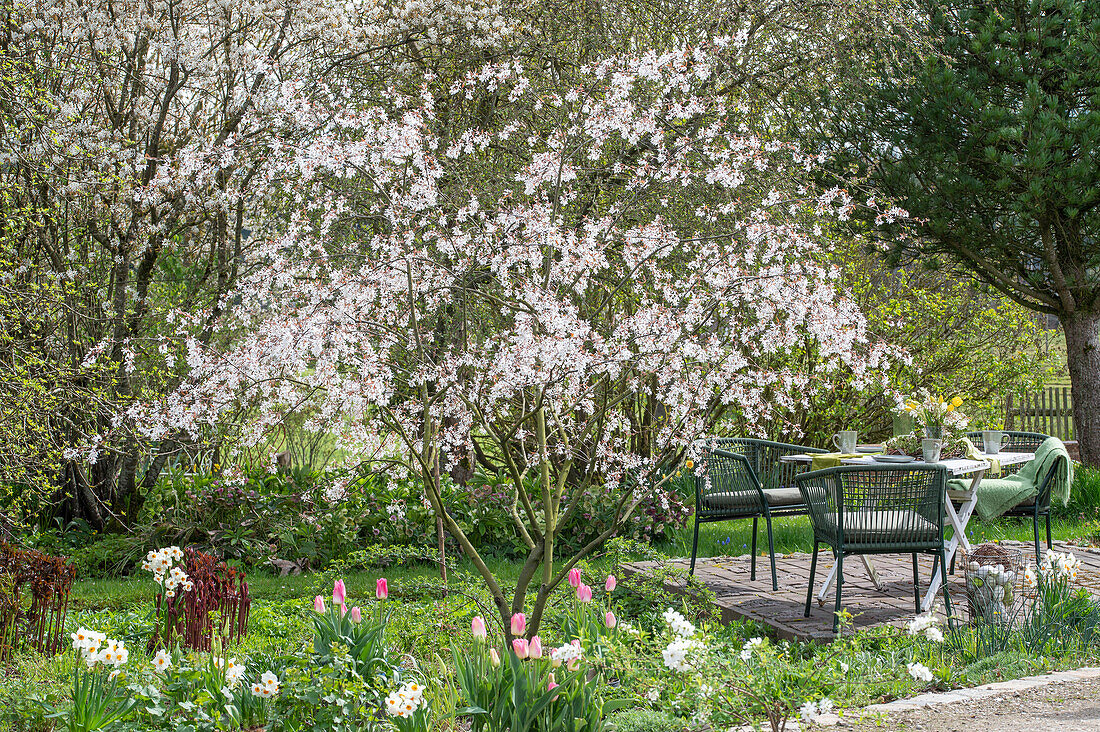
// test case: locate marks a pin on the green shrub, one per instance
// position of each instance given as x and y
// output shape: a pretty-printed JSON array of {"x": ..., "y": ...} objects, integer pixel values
[
  {"x": 108, "y": 555},
  {"x": 644, "y": 720}
]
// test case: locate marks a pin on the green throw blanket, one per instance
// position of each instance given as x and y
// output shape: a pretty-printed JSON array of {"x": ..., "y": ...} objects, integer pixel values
[{"x": 997, "y": 495}]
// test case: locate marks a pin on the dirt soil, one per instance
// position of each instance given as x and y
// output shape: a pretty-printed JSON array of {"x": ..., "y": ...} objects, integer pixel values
[{"x": 1060, "y": 707}]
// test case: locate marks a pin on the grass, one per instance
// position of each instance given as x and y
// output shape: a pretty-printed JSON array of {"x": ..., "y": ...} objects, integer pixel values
[{"x": 793, "y": 534}]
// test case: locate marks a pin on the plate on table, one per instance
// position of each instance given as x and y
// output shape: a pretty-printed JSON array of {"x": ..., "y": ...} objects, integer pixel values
[
  {"x": 868, "y": 448},
  {"x": 893, "y": 458}
]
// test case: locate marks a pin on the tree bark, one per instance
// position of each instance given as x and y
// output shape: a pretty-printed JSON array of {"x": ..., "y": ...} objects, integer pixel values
[{"x": 1083, "y": 358}]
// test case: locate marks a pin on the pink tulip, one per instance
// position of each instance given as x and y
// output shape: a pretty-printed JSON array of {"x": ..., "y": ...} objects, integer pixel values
[
  {"x": 610, "y": 620},
  {"x": 494, "y": 657},
  {"x": 535, "y": 647},
  {"x": 575, "y": 577},
  {"x": 553, "y": 684},
  {"x": 319, "y": 604},
  {"x": 519, "y": 624},
  {"x": 611, "y": 583},
  {"x": 584, "y": 593},
  {"x": 343, "y": 610},
  {"x": 356, "y": 615},
  {"x": 519, "y": 645},
  {"x": 382, "y": 590},
  {"x": 338, "y": 592},
  {"x": 477, "y": 627}
]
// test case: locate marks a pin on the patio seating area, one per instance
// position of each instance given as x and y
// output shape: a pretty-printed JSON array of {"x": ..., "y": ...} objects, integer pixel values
[{"x": 738, "y": 597}]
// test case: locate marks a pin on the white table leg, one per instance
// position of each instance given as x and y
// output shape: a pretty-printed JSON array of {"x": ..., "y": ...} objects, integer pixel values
[
  {"x": 958, "y": 519},
  {"x": 832, "y": 578}
]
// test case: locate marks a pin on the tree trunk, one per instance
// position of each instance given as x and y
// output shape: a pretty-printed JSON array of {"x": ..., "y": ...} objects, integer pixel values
[{"x": 1083, "y": 357}]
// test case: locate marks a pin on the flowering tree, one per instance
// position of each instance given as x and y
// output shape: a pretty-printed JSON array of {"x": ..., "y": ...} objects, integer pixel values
[
  {"x": 138, "y": 144},
  {"x": 573, "y": 293}
]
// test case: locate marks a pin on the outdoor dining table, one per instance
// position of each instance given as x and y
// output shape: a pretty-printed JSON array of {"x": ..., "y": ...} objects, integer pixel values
[{"x": 959, "y": 518}]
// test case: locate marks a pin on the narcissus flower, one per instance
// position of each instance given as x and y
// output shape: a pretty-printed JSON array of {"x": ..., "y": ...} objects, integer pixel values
[{"x": 162, "y": 661}]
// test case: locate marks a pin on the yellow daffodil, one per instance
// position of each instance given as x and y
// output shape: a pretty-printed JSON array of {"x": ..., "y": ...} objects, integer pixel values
[{"x": 957, "y": 402}]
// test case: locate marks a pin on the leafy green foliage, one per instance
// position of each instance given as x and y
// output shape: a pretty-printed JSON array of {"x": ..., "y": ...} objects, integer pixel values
[{"x": 642, "y": 719}]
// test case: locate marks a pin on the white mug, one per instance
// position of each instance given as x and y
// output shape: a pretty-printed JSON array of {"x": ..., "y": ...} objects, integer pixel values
[
  {"x": 846, "y": 441},
  {"x": 993, "y": 440}
]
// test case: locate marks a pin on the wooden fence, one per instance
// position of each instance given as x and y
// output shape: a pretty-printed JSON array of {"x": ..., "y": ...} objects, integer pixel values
[{"x": 1049, "y": 411}]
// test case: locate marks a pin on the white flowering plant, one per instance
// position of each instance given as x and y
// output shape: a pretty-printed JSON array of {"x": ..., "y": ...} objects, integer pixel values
[
  {"x": 172, "y": 581},
  {"x": 408, "y": 709},
  {"x": 774, "y": 681},
  {"x": 98, "y": 700}
]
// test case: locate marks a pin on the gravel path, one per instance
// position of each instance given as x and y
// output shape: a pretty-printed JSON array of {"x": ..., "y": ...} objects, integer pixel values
[{"x": 1072, "y": 706}]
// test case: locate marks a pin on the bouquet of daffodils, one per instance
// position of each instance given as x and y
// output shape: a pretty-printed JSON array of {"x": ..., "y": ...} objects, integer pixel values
[{"x": 932, "y": 414}]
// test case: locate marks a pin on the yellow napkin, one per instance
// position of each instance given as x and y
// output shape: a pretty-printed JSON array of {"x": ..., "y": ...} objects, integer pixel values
[
  {"x": 830, "y": 459},
  {"x": 974, "y": 453}
]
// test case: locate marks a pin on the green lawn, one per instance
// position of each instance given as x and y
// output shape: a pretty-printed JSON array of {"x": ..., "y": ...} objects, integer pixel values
[
  {"x": 793, "y": 534},
  {"x": 729, "y": 538}
]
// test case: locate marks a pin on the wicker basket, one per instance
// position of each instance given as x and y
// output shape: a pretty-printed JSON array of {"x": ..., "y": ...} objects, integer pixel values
[{"x": 994, "y": 580}]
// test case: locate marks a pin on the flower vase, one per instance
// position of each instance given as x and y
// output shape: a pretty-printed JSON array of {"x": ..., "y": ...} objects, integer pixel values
[{"x": 934, "y": 432}]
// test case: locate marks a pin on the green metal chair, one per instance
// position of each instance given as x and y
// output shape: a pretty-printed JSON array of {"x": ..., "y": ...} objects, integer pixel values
[
  {"x": 1014, "y": 442},
  {"x": 742, "y": 477},
  {"x": 887, "y": 509},
  {"x": 1040, "y": 507}
]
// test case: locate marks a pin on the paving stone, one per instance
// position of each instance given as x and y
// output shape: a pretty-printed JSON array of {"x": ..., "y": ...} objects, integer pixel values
[{"x": 740, "y": 598}]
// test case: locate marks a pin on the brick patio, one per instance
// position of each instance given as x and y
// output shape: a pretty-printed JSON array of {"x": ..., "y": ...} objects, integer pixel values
[{"x": 740, "y": 598}]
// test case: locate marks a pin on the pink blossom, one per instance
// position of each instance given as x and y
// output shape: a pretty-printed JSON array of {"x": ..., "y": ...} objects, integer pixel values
[
  {"x": 477, "y": 628},
  {"x": 611, "y": 583},
  {"x": 381, "y": 590},
  {"x": 319, "y": 604},
  {"x": 575, "y": 577},
  {"x": 338, "y": 592},
  {"x": 356, "y": 615},
  {"x": 520, "y": 647},
  {"x": 584, "y": 593},
  {"x": 343, "y": 609},
  {"x": 519, "y": 624},
  {"x": 552, "y": 683},
  {"x": 535, "y": 647},
  {"x": 610, "y": 620},
  {"x": 494, "y": 657}
]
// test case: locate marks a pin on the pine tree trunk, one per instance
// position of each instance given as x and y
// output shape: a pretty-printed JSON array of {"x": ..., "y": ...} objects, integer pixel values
[{"x": 1083, "y": 357}]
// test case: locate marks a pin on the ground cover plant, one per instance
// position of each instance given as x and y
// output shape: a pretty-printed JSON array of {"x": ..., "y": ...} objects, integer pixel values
[{"x": 319, "y": 651}]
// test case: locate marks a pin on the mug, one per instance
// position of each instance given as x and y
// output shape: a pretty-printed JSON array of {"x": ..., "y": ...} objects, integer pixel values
[
  {"x": 846, "y": 441},
  {"x": 931, "y": 448},
  {"x": 992, "y": 440}
]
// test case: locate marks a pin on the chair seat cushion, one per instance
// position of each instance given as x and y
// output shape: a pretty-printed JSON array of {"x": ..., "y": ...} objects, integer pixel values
[
  {"x": 744, "y": 502},
  {"x": 885, "y": 527},
  {"x": 782, "y": 497},
  {"x": 776, "y": 498}
]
